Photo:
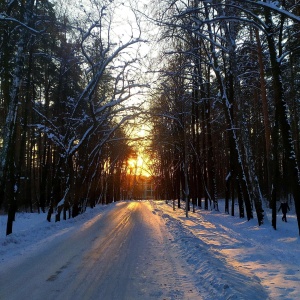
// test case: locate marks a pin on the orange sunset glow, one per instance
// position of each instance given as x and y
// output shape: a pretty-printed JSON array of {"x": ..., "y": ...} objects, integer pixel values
[{"x": 139, "y": 165}]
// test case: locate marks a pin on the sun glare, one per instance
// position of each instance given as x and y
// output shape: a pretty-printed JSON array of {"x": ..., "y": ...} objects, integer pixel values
[
  {"x": 139, "y": 166},
  {"x": 140, "y": 163},
  {"x": 131, "y": 163}
]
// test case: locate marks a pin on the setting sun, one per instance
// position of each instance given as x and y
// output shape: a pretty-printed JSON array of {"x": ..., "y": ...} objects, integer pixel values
[{"x": 139, "y": 165}]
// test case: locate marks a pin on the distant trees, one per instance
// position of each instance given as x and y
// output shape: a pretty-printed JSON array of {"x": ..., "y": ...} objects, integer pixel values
[
  {"x": 240, "y": 80},
  {"x": 64, "y": 86}
]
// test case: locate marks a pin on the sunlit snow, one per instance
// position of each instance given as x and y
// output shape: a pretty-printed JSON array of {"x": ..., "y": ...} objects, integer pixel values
[{"x": 225, "y": 257}]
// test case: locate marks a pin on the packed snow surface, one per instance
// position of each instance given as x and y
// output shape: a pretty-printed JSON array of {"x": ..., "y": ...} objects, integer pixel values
[{"x": 146, "y": 250}]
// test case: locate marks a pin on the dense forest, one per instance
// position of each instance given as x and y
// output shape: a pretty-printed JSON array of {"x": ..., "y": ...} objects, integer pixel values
[
  {"x": 223, "y": 104},
  {"x": 227, "y": 104},
  {"x": 65, "y": 80}
]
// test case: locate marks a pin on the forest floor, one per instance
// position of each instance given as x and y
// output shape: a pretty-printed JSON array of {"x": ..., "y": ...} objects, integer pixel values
[{"x": 145, "y": 250}]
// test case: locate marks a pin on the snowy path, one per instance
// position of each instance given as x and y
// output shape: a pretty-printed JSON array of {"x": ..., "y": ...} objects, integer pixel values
[
  {"x": 145, "y": 250},
  {"x": 121, "y": 254}
]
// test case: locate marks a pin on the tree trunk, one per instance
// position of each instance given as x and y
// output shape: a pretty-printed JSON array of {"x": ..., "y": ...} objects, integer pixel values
[
  {"x": 210, "y": 158},
  {"x": 264, "y": 100},
  {"x": 185, "y": 169},
  {"x": 227, "y": 192}
]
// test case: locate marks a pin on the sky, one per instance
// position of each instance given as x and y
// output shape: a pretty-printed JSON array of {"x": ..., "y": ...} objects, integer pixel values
[{"x": 221, "y": 252}]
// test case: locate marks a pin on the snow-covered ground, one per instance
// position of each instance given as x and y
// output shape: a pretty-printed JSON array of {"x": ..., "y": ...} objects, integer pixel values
[
  {"x": 228, "y": 257},
  {"x": 212, "y": 241}
]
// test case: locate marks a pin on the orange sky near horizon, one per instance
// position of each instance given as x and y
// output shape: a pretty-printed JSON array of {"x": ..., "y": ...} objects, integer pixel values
[{"x": 140, "y": 165}]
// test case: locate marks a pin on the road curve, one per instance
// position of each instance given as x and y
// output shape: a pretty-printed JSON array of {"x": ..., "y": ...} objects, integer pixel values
[{"x": 122, "y": 254}]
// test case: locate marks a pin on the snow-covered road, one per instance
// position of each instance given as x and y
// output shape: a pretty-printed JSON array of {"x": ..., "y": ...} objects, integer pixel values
[
  {"x": 123, "y": 253},
  {"x": 145, "y": 250}
]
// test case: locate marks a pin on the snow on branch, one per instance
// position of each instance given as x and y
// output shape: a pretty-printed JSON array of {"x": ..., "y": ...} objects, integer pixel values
[
  {"x": 275, "y": 8},
  {"x": 5, "y": 17}
]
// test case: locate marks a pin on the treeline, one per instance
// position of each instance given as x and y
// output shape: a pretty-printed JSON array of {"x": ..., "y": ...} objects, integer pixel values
[
  {"x": 65, "y": 78},
  {"x": 226, "y": 112}
]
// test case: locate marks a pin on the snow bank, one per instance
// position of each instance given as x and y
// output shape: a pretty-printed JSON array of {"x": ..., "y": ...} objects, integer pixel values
[
  {"x": 226, "y": 251},
  {"x": 32, "y": 231}
]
